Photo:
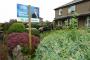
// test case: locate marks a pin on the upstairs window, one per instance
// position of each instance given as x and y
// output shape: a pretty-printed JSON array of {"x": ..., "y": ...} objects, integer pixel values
[
  {"x": 71, "y": 9},
  {"x": 60, "y": 11}
]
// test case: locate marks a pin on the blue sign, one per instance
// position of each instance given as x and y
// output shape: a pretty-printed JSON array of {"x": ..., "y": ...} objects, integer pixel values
[
  {"x": 34, "y": 12},
  {"x": 22, "y": 10}
]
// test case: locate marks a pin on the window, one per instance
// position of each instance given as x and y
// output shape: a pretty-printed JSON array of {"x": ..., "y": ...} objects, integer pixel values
[
  {"x": 59, "y": 23},
  {"x": 71, "y": 9},
  {"x": 88, "y": 22},
  {"x": 60, "y": 11}
]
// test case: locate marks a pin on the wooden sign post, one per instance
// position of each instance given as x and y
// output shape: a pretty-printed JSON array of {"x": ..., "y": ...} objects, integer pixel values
[{"x": 29, "y": 16}]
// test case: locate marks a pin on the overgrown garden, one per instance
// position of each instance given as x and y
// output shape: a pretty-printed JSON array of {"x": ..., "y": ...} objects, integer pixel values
[{"x": 69, "y": 43}]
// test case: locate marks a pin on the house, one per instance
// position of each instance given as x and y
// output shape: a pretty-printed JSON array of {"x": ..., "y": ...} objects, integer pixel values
[{"x": 65, "y": 12}]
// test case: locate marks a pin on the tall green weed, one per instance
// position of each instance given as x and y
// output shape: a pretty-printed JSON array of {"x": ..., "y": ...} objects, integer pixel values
[{"x": 62, "y": 45}]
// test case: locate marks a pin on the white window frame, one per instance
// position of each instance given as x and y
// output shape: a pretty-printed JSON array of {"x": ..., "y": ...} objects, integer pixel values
[
  {"x": 88, "y": 24},
  {"x": 60, "y": 11},
  {"x": 71, "y": 8},
  {"x": 59, "y": 23}
]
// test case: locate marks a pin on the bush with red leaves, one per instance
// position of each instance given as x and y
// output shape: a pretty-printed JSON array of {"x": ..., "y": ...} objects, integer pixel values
[
  {"x": 15, "y": 39},
  {"x": 35, "y": 42}
]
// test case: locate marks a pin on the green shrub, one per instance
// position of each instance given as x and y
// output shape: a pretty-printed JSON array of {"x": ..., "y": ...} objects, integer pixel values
[
  {"x": 25, "y": 50},
  {"x": 16, "y": 27},
  {"x": 88, "y": 30},
  {"x": 58, "y": 27},
  {"x": 5, "y": 27},
  {"x": 64, "y": 45},
  {"x": 1, "y": 26},
  {"x": 66, "y": 25},
  {"x": 35, "y": 25},
  {"x": 35, "y": 32},
  {"x": 48, "y": 26},
  {"x": 73, "y": 22}
]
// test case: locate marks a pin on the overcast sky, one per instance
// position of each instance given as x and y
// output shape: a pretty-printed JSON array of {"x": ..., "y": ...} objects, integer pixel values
[{"x": 8, "y": 8}]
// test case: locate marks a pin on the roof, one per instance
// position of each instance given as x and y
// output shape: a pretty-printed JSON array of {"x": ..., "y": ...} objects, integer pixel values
[
  {"x": 81, "y": 14},
  {"x": 70, "y": 3}
]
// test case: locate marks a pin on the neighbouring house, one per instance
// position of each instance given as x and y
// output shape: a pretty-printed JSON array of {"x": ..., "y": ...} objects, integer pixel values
[{"x": 65, "y": 12}]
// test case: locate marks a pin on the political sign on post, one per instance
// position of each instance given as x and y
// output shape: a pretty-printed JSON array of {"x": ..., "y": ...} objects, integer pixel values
[
  {"x": 34, "y": 14},
  {"x": 23, "y": 19},
  {"x": 22, "y": 10}
]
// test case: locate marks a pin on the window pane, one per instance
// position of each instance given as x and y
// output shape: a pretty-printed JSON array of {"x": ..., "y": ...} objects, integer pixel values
[
  {"x": 60, "y": 11},
  {"x": 71, "y": 9}
]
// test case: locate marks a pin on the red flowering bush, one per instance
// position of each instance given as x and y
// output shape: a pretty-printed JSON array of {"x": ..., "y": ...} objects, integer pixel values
[
  {"x": 35, "y": 42},
  {"x": 15, "y": 39}
]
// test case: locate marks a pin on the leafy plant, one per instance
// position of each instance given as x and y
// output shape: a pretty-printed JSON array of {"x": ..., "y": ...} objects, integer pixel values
[
  {"x": 5, "y": 27},
  {"x": 22, "y": 39},
  {"x": 1, "y": 26},
  {"x": 66, "y": 25},
  {"x": 88, "y": 30},
  {"x": 35, "y": 25},
  {"x": 15, "y": 39},
  {"x": 73, "y": 22},
  {"x": 3, "y": 51},
  {"x": 25, "y": 50},
  {"x": 16, "y": 27},
  {"x": 35, "y": 32},
  {"x": 47, "y": 26},
  {"x": 64, "y": 45}
]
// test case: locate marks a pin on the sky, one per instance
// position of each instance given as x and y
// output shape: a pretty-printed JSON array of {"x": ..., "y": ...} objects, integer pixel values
[{"x": 8, "y": 8}]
